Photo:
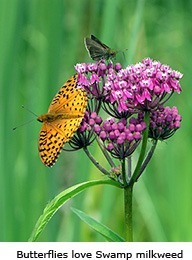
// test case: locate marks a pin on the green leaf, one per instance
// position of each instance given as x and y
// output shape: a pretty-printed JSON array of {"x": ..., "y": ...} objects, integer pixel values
[
  {"x": 106, "y": 232},
  {"x": 59, "y": 200}
]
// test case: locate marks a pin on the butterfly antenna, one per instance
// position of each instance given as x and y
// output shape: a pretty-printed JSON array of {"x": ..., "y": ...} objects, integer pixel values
[
  {"x": 123, "y": 52},
  {"x": 14, "y": 128},
  {"x": 31, "y": 112}
]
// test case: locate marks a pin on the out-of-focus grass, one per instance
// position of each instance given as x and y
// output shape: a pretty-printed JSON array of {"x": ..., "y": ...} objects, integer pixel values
[{"x": 40, "y": 41}]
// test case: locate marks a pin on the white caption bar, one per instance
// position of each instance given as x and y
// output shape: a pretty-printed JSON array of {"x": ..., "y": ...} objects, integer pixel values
[{"x": 95, "y": 251}]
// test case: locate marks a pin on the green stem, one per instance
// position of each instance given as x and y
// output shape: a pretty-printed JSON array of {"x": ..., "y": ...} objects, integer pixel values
[
  {"x": 105, "y": 153},
  {"x": 124, "y": 172},
  {"x": 129, "y": 163},
  {"x": 128, "y": 194},
  {"x": 147, "y": 159},
  {"x": 96, "y": 163},
  {"x": 143, "y": 149}
]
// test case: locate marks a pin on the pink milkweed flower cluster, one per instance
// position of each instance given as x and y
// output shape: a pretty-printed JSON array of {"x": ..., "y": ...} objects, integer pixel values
[
  {"x": 145, "y": 85},
  {"x": 164, "y": 122},
  {"x": 118, "y": 100}
]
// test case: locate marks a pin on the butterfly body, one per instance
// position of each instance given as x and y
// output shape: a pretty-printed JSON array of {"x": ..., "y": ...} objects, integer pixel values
[
  {"x": 51, "y": 117},
  {"x": 98, "y": 50},
  {"x": 62, "y": 120}
]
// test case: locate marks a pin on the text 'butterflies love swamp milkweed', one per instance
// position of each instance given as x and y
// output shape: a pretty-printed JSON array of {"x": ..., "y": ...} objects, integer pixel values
[
  {"x": 98, "y": 50},
  {"x": 64, "y": 117}
]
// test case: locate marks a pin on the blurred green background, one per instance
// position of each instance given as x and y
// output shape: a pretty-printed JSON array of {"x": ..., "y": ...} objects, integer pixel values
[{"x": 40, "y": 42}]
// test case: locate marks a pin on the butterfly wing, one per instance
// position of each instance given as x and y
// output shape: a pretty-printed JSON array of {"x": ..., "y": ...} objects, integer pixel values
[
  {"x": 99, "y": 42},
  {"x": 53, "y": 136},
  {"x": 50, "y": 143},
  {"x": 70, "y": 100},
  {"x": 96, "y": 49},
  {"x": 75, "y": 106},
  {"x": 62, "y": 120}
]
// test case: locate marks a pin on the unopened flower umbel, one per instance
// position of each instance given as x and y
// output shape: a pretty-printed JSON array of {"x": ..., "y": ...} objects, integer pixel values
[
  {"x": 121, "y": 138},
  {"x": 125, "y": 105}
]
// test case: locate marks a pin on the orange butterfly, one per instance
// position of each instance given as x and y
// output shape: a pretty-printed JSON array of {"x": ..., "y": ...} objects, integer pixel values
[{"x": 62, "y": 120}]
